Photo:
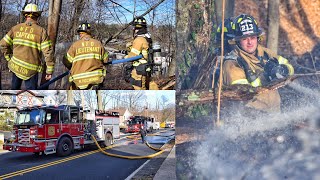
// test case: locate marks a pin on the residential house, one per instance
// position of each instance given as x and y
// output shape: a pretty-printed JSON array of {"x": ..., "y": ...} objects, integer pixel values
[
  {"x": 124, "y": 116},
  {"x": 11, "y": 101}
]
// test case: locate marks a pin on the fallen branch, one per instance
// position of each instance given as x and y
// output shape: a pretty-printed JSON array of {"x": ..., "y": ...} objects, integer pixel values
[{"x": 235, "y": 92}]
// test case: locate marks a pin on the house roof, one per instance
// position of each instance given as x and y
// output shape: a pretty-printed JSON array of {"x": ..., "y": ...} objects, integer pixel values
[
  {"x": 17, "y": 92},
  {"x": 121, "y": 111}
]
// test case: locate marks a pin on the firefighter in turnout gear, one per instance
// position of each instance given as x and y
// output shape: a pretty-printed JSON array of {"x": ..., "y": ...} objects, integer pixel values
[
  {"x": 252, "y": 64},
  {"x": 228, "y": 35},
  {"x": 141, "y": 71},
  {"x": 22, "y": 47},
  {"x": 85, "y": 60}
]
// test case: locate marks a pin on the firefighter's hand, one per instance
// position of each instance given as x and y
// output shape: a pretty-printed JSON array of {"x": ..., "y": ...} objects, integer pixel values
[
  {"x": 280, "y": 71},
  {"x": 48, "y": 77}
]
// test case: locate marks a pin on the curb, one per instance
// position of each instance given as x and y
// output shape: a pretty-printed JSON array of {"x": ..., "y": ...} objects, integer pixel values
[
  {"x": 153, "y": 167},
  {"x": 168, "y": 168}
]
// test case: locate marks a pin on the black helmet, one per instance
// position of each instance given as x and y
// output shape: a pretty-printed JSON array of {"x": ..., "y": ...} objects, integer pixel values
[
  {"x": 246, "y": 26},
  {"x": 228, "y": 30},
  {"x": 140, "y": 22},
  {"x": 84, "y": 27}
]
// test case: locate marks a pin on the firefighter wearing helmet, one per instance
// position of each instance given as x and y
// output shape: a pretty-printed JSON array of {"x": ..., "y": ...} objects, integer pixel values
[
  {"x": 141, "y": 71},
  {"x": 22, "y": 47},
  {"x": 252, "y": 64},
  {"x": 228, "y": 35},
  {"x": 85, "y": 60}
]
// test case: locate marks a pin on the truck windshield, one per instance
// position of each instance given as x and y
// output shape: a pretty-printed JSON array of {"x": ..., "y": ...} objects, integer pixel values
[
  {"x": 34, "y": 116},
  {"x": 134, "y": 121}
]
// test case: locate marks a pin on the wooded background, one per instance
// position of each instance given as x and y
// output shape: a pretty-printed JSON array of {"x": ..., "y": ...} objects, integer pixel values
[
  {"x": 108, "y": 19},
  {"x": 293, "y": 34}
]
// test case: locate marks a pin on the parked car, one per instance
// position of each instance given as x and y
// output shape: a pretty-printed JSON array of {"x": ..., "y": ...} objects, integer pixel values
[{"x": 156, "y": 125}]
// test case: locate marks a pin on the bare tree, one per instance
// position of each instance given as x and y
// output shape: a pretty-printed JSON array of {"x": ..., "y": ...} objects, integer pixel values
[
  {"x": 0, "y": 10},
  {"x": 90, "y": 98},
  {"x": 59, "y": 97},
  {"x": 70, "y": 98},
  {"x": 78, "y": 8},
  {"x": 133, "y": 98},
  {"x": 194, "y": 41},
  {"x": 273, "y": 25}
]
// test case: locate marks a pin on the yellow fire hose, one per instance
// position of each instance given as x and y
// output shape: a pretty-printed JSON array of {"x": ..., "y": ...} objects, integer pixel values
[{"x": 129, "y": 157}]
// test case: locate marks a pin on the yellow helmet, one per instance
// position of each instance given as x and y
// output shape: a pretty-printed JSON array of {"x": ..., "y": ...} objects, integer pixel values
[{"x": 31, "y": 9}]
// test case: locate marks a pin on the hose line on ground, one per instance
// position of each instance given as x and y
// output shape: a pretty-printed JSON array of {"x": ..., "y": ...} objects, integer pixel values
[{"x": 127, "y": 157}]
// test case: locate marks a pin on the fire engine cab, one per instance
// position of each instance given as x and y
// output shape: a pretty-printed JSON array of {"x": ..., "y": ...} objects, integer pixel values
[
  {"x": 135, "y": 122},
  {"x": 60, "y": 129}
]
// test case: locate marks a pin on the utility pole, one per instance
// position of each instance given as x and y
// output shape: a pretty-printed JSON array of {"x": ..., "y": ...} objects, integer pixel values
[{"x": 53, "y": 24}]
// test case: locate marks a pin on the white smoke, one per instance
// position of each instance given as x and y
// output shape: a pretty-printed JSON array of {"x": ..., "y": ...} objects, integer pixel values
[{"x": 273, "y": 146}]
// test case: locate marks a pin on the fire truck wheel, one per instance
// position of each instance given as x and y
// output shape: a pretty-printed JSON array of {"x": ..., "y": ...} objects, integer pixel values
[
  {"x": 108, "y": 139},
  {"x": 64, "y": 147}
]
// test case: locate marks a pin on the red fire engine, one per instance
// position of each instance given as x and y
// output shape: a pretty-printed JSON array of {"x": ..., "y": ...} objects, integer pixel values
[
  {"x": 57, "y": 129},
  {"x": 136, "y": 122}
]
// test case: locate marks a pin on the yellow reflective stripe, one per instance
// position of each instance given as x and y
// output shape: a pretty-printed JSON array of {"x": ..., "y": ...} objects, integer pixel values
[
  {"x": 88, "y": 74},
  {"x": 69, "y": 58},
  {"x": 143, "y": 61},
  {"x": 239, "y": 20},
  {"x": 136, "y": 63},
  {"x": 106, "y": 55},
  {"x": 256, "y": 83},
  {"x": 285, "y": 62},
  {"x": 84, "y": 86},
  {"x": 7, "y": 57},
  {"x": 225, "y": 29},
  {"x": 290, "y": 68},
  {"x": 135, "y": 51},
  {"x": 8, "y": 39},
  {"x": 27, "y": 43},
  {"x": 50, "y": 68},
  {"x": 45, "y": 44},
  {"x": 144, "y": 52},
  {"x": 282, "y": 60},
  {"x": 21, "y": 76},
  {"x": 240, "y": 81},
  {"x": 87, "y": 56},
  {"x": 25, "y": 64}
]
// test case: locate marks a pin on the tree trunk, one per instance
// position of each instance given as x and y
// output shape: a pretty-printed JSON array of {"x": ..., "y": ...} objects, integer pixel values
[
  {"x": 99, "y": 100},
  {"x": 53, "y": 25},
  {"x": 0, "y": 9},
  {"x": 53, "y": 21},
  {"x": 194, "y": 39},
  {"x": 229, "y": 11},
  {"x": 273, "y": 25},
  {"x": 78, "y": 8}
]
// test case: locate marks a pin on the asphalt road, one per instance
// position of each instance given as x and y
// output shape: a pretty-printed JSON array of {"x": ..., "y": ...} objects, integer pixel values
[{"x": 85, "y": 164}]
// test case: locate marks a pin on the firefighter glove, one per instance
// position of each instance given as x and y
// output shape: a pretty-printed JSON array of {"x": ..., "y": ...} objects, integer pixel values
[{"x": 280, "y": 71}]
